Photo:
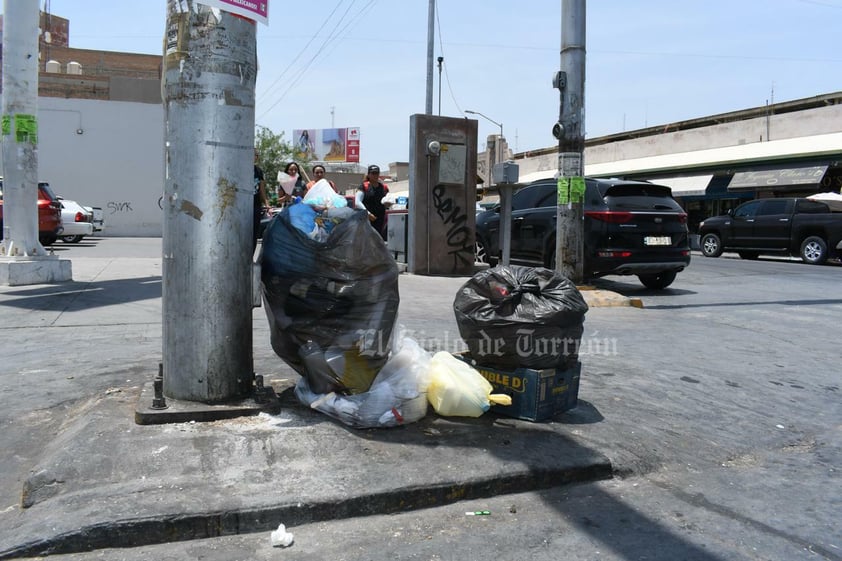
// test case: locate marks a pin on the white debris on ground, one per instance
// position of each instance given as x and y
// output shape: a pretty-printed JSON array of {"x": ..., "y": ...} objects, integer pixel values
[{"x": 280, "y": 537}]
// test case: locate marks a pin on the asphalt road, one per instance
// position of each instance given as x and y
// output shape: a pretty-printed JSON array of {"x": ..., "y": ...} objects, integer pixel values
[{"x": 722, "y": 392}]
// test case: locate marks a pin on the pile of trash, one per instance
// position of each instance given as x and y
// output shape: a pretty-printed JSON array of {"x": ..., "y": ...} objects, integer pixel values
[
  {"x": 330, "y": 288},
  {"x": 514, "y": 317}
]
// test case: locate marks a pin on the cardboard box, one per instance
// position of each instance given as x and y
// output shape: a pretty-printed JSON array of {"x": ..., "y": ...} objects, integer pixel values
[{"x": 537, "y": 395}]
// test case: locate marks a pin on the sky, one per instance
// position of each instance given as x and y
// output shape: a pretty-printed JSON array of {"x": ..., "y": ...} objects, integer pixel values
[{"x": 363, "y": 63}]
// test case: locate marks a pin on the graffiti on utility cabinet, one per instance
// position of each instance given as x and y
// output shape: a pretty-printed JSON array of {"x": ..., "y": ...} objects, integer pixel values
[{"x": 459, "y": 239}]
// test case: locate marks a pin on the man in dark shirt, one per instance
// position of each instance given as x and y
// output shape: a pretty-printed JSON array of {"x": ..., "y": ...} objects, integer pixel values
[{"x": 370, "y": 197}]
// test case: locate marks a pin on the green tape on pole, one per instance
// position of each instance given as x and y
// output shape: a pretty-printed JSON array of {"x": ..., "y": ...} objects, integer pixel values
[
  {"x": 563, "y": 190},
  {"x": 26, "y": 128},
  {"x": 6, "y": 125},
  {"x": 577, "y": 189}
]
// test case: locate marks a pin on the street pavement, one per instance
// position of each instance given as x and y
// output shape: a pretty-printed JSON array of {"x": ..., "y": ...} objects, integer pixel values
[
  {"x": 82, "y": 475},
  {"x": 706, "y": 429}
]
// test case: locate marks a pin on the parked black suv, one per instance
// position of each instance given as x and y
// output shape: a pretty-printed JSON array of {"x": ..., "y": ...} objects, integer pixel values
[{"x": 631, "y": 228}]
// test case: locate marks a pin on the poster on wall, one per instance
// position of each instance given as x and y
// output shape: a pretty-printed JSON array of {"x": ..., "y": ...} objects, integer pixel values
[{"x": 327, "y": 145}]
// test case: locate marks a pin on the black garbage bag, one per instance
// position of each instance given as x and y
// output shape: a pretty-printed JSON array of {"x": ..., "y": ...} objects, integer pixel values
[
  {"x": 516, "y": 316},
  {"x": 331, "y": 304}
]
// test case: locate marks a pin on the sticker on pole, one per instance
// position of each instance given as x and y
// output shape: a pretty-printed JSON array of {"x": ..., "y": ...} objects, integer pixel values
[
  {"x": 563, "y": 190},
  {"x": 253, "y": 9},
  {"x": 571, "y": 190},
  {"x": 570, "y": 164},
  {"x": 577, "y": 189},
  {"x": 26, "y": 127}
]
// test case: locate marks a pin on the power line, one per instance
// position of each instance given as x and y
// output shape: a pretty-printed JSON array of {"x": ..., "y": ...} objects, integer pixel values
[
  {"x": 327, "y": 42},
  {"x": 300, "y": 53},
  {"x": 446, "y": 75}
]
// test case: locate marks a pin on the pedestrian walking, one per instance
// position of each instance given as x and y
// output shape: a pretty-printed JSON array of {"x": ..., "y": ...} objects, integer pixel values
[
  {"x": 369, "y": 197},
  {"x": 319, "y": 174},
  {"x": 291, "y": 182},
  {"x": 260, "y": 200}
]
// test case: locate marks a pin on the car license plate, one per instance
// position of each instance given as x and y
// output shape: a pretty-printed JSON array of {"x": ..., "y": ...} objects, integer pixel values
[{"x": 657, "y": 240}]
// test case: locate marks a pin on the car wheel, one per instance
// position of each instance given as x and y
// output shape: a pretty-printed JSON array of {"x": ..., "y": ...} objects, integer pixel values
[
  {"x": 481, "y": 253},
  {"x": 72, "y": 239},
  {"x": 814, "y": 250},
  {"x": 748, "y": 254},
  {"x": 711, "y": 245},
  {"x": 657, "y": 281},
  {"x": 47, "y": 239}
]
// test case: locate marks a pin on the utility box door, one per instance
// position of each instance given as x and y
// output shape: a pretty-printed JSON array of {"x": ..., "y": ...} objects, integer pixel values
[{"x": 442, "y": 195}]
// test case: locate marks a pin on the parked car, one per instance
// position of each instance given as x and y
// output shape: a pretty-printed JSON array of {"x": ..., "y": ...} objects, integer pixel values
[
  {"x": 98, "y": 218},
  {"x": 791, "y": 226},
  {"x": 76, "y": 220},
  {"x": 630, "y": 228},
  {"x": 49, "y": 214}
]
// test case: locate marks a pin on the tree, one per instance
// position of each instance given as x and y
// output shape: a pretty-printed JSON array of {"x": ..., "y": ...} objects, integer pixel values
[{"x": 273, "y": 155}]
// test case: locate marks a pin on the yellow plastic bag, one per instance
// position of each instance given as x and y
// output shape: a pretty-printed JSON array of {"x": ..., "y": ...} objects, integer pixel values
[{"x": 458, "y": 390}]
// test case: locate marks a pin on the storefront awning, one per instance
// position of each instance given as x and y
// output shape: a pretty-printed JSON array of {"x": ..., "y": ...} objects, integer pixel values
[
  {"x": 777, "y": 178},
  {"x": 687, "y": 186}
]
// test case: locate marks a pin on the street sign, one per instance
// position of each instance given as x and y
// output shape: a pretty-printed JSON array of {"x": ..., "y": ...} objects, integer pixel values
[{"x": 253, "y": 9}]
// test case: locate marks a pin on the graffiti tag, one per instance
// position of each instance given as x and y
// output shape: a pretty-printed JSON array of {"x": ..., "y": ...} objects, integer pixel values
[{"x": 459, "y": 239}]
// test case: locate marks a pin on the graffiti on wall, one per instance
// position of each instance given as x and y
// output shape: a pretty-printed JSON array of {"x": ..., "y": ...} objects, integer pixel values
[{"x": 115, "y": 207}]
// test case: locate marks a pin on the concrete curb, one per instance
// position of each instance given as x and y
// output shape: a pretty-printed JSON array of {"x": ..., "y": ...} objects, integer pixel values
[{"x": 134, "y": 532}]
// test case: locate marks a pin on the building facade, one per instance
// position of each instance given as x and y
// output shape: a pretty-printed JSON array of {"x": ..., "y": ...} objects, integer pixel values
[
  {"x": 101, "y": 130},
  {"x": 715, "y": 163}
]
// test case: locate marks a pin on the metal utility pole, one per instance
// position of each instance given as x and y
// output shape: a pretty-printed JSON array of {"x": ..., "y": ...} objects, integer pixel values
[
  {"x": 24, "y": 259},
  {"x": 431, "y": 38},
  {"x": 570, "y": 132},
  {"x": 210, "y": 70},
  {"x": 504, "y": 190},
  {"x": 440, "y": 60}
]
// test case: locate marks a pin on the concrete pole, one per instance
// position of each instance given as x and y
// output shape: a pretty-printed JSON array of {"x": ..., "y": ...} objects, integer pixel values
[
  {"x": 23, "y": 260},
  {"x": 210, "y": 70},
  {"x": 20, "y": 129},
  {"x": 431, "y": 40},
  {"x": 570, "y": 132}
]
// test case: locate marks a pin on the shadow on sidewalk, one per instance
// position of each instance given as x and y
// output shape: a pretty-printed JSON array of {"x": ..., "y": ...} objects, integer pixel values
[{"x": 76, "y": 296}]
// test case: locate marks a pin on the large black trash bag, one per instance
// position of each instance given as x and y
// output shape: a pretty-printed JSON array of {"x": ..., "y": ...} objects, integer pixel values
[
  {"x": 516, "y": 316},
  {"x": 331, "y": 305}
]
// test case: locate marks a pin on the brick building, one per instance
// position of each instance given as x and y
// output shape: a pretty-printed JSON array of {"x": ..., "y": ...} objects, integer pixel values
[
  {"x": 101, "y": 129},
  {"x": 89, "y": 74}
]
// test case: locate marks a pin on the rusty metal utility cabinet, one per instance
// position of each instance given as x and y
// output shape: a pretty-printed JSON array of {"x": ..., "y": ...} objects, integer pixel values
[{"x": 442, "y": 195}]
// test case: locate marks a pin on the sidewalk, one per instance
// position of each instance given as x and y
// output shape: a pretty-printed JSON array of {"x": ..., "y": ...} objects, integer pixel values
[{"x": 90, "y": 478}]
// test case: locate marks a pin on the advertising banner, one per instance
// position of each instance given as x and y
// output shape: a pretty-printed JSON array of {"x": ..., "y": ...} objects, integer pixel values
[
  {"x": 327, "y": 145},
  {"x": 353, "y": 151},
  {"x": 252, "y": 9}
]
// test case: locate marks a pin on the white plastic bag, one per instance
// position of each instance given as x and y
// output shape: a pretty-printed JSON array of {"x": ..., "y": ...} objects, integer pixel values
[
  {"x": 321, "y": 194},
  {"x": 397, "y": 395},
  {"x": 457, "y": 389},
  {"x": 287, "y": 182}
]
